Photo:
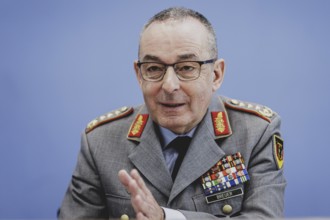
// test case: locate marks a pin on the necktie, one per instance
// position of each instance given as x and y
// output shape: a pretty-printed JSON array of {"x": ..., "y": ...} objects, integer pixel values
[{"x": 180, "y": 144}]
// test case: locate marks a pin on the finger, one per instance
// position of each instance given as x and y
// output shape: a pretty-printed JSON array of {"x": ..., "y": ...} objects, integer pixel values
[
  {"x": 148, "y": 210},
  {"x": 142, "y": 200},
  {"x": 129, "y": 183},
  {"x": 140, "y": 216},
  {"x": 140, "y": 195},
  {"x": 136, "y": 203},
  {"x": 124, "y": 178},
  {"x": 135, "y": 175},
  {"x": 141, "y": 205},
  {"x": 132, "y": 187}
]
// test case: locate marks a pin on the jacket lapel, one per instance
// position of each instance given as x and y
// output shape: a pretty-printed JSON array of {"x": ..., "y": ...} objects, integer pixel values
[
  {"x": 203, "y": 152},
  {"x": 148, "y": 158}
]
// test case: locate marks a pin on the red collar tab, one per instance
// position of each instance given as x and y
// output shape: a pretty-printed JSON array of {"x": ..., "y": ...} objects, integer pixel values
[
  {"x": 220, "y": 124},
  {"x": 137, "y": 127}
]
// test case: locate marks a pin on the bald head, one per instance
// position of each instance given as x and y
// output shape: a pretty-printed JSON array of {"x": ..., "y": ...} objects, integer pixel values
[{"x": 178, "y": 14}]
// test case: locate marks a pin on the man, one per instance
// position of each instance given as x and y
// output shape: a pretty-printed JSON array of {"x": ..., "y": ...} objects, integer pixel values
[{"x": 132, "y": 163}]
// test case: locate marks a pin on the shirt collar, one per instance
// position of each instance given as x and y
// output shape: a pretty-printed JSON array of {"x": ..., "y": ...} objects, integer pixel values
[{"x": 169, "y": 136}]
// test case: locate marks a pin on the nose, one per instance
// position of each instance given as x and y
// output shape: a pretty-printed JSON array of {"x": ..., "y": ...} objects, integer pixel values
[{"x": 171, "y": 82}]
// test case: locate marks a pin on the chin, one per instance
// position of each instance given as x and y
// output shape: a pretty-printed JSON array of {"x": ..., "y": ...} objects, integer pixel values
[{"x": 174, "y": 124}]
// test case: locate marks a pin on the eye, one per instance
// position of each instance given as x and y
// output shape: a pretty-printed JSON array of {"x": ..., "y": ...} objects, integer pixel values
[
  {"x": 152, "y": 71},
  {"x": 154, "y": 68},
  {"x": 186, "y": 68}
]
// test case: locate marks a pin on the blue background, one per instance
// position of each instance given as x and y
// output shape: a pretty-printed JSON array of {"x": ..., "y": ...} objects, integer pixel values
[{"x": 62, "y": 63}]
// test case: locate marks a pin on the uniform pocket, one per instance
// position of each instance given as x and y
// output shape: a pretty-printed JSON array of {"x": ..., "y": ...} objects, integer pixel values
[
  {"x": 119, "y": 205},
  {"x": 226, "y": 203}
]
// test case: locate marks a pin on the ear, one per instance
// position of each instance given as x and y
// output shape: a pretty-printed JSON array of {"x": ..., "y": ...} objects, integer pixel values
[
  {"x": 219, "y": 73},
  {"x": 137, "y": 73}
]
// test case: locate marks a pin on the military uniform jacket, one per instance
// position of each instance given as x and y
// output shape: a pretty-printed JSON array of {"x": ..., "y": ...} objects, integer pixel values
[{"x": 95, "y": 190}]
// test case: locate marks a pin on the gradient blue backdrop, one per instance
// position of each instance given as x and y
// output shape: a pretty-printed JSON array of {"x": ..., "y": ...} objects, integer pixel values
[{"x": 62, "y": 63}]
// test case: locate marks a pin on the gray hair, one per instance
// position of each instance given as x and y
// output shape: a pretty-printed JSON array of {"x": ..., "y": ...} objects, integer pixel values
[{"x": 179, "y": 14}]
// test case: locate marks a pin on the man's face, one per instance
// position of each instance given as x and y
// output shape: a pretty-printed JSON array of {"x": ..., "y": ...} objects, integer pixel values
[{"x": 174, "y": 104}]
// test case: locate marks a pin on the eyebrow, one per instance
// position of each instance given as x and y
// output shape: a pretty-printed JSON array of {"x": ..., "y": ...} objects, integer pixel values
[
  {"x": 148, "y": 58},
  {"x": 151, "y": 58},
  {"x": 187, "y": 56}
]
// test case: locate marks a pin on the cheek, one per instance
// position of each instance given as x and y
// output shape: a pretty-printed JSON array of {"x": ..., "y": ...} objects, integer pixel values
[
  {"x": 202, "y": 90},
  {"x": 147, "y": 88},
  {"x": 202, "y": 100},
  {"x": 149, "y": 91},
  {"x": 202, "y": 97}
]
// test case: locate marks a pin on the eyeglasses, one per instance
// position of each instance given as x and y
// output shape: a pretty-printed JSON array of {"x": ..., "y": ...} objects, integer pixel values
[{"x": 185, "y": 70}]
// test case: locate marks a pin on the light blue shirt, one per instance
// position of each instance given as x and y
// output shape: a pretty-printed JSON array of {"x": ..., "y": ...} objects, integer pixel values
[{"x": 171, "y": 154}]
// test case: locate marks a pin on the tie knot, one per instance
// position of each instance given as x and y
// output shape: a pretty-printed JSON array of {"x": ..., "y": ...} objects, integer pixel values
[{"x": 180, "y": 143}]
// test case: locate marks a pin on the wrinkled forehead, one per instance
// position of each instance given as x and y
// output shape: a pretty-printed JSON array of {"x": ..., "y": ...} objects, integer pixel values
[{"x": 174, "y": 36}]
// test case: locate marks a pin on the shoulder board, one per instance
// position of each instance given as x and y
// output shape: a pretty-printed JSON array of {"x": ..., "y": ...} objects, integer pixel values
[
  {"x": 258, "y": 110},
  {"x": 110, "y": 116}
]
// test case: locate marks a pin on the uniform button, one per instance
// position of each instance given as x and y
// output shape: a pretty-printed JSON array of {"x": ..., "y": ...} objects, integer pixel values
[
  {"x": 227, "y": 209},
  {"x": 124, "y": 217}
]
